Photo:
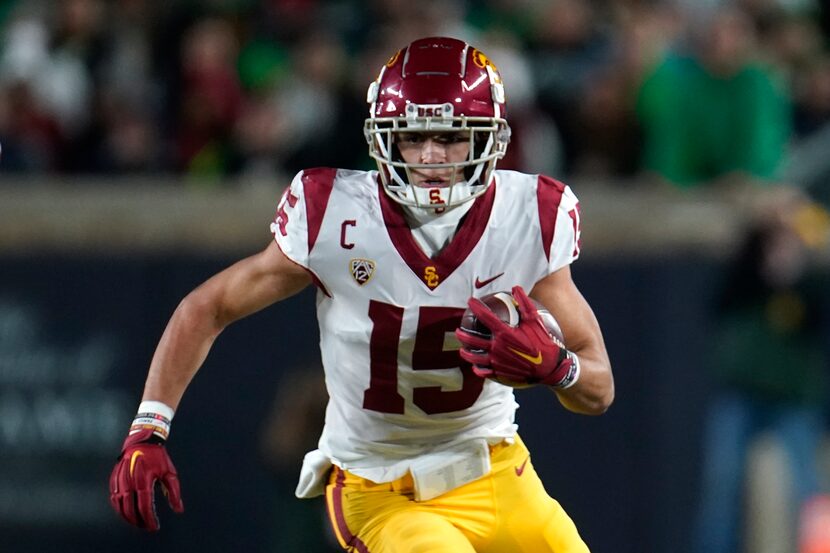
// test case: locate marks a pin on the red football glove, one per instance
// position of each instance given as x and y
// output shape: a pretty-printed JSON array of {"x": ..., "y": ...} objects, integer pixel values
[
  {"x": 143, "y": 462},
  {"x": 525, "y": 354}
]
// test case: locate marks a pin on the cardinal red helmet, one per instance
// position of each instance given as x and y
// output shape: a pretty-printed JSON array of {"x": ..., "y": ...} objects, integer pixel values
[{"x": 431, "y": 86}]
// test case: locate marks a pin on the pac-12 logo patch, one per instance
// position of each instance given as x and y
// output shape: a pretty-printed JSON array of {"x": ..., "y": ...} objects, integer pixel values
[{"x": 362, "y": 270}]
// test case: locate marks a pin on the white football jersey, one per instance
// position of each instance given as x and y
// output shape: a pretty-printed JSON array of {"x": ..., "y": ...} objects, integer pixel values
[{"x": 387, "y": 312}]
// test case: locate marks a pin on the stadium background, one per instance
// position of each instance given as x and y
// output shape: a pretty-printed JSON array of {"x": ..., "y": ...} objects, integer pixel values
[{"x": 145, "y": 146}]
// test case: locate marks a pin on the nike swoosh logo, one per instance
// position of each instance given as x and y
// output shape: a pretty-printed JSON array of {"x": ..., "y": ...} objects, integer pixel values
[
  {"x": 521, "y": 468},
  {"x": 483, "y": 283},
  {"x": 537, "y": 360},
  {"x": 133, "y": 459}
]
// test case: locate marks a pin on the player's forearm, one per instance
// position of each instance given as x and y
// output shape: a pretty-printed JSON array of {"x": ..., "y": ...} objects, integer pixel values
[
  {"x": 593, "y": 393},
  {"x": 183, "y": 347}
]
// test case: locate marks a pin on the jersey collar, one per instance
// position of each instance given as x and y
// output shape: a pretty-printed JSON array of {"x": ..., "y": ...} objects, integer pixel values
[{"x": 434, "y": 271}]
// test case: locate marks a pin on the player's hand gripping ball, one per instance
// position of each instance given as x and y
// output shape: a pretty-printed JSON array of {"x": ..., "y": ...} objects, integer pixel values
[{"x": 514, "y": 340}]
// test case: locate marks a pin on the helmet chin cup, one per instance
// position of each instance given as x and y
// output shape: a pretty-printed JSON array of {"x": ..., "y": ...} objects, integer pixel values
[
  {"x": 436, "y": 198},
  {"x": 437, "y": 85}
]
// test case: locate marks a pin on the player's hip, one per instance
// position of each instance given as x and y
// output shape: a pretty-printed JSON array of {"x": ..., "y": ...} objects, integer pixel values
[{"x": 506, "y": 508}]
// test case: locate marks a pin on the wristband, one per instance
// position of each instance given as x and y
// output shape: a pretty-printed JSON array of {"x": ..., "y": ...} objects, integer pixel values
[
  {"x": 155, "y": 416},
  {"x": 573, "y": 373}
]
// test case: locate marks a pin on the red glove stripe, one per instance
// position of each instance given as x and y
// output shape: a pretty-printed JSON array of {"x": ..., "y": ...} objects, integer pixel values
[
  {"x": 471, "y": 341},
  {"x": 147, "y": 508},
  {"x": 485, "y": 315},
  {"x": 172, "y": 490},
  {"x": 527, "y": 310},
  {"x": 474, "y": 358},
  {"x": 483, "y": 372}
]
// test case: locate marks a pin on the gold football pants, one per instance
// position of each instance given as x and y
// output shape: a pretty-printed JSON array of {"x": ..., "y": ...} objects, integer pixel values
[{"x": 506, "y": 511}]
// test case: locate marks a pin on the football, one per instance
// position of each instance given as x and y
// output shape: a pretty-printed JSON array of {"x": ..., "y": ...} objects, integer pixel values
[{"x": 506, "y": 309}]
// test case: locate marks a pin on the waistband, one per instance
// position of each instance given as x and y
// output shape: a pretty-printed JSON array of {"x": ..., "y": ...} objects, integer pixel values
[{"x": 405, "y": 483}]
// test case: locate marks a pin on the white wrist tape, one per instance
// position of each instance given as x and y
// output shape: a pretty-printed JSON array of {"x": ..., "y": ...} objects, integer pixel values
[{"x": 155, "y": 416}]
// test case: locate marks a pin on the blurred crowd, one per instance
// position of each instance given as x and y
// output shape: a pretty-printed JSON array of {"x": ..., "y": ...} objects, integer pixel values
[{"x": 230, "y": 90}]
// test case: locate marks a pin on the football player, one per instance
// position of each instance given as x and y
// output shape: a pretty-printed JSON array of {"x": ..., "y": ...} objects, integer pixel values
[{"x": 419, "y": 451}]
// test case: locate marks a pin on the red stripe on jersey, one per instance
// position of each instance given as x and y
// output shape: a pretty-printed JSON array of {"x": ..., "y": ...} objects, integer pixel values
[
  {"x": 282, "y": 216},
  {"x": 548, "y": 195},
  {"x": 441, "y": 266},
  {"x": 340, "y": 517},
  {"x": 317, "y": 186}
]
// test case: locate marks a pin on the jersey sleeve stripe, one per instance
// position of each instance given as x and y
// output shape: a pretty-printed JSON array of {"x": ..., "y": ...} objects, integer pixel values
[
  {"x": 549, "y": 195},
  {"x": 317, "y": 187}
]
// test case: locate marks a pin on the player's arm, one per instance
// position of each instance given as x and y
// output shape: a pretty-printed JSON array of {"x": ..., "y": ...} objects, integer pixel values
[
  {"x": 530, "y": 352},
  {"x": 593, "y": 392},
  {"x": 244, "y": 288},
  {"x": 240, "y": 290}
]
